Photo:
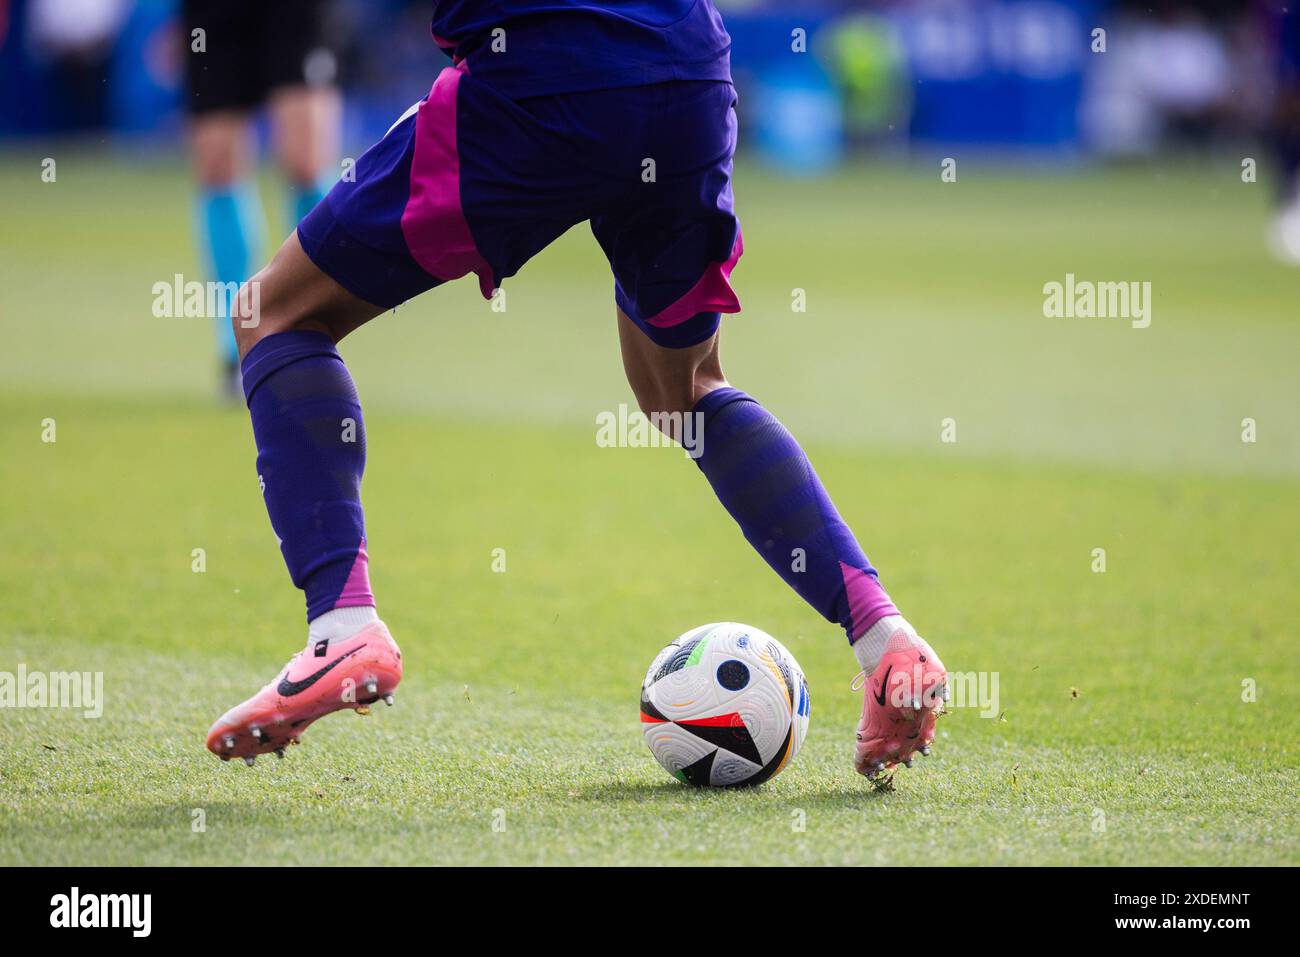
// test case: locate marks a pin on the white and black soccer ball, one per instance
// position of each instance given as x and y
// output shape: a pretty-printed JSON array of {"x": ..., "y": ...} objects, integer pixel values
[{"x": 724, "y": 705}]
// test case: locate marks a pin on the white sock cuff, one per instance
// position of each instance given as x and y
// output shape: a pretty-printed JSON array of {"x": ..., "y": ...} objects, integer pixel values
[
  {"x": 870, "y": 648},
  {"x": 338, "y": 623}
]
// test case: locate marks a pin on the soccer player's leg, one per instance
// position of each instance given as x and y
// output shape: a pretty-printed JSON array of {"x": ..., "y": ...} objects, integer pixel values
[
  {"x": 298, "y": 63},
  {"x": 229, "y": 219},
  {"x": 305, "y": 123},
  {"x": 394, "y": 230},
  {"x": 346, "y": 263},
  {"x": 1284, "y": 236},
  {"x": 311, "y": 449},
  {"x": 220, "y": 98},
  {"x": 1284, "y": 233},
  {"x": 766, "y": 482},
  {"x": 672, "y": 260}
]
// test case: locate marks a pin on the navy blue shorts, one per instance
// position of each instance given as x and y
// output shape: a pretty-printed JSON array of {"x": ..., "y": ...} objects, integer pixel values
[{"x": 469, "y": 180}]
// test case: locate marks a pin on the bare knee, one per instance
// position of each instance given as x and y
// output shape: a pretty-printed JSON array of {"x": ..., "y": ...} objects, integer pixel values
[
  {"x": 667, "y": 383},
  {"x": 659, "y": 398},
  {"x": 222, "y": 145},
  {"x": 246, "y": 320},
  {"x": 290, "y": 293},
  {"x": 260, "y": 306}
]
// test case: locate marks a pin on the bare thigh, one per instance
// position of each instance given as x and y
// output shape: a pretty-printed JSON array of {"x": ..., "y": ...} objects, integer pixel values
[
  {"x": 668, "y": 380},
  {"x": 290, "y": 293}
]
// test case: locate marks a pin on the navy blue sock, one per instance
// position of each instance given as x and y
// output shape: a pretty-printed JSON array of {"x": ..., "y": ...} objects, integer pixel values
[
  {"x": 311, "y": 452},
  {"x": 764, "y": 479}
]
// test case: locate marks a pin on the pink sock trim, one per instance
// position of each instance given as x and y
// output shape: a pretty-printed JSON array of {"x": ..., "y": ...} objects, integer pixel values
[
  {"x": 868, "y": 602},
  {"x": 356, "y": 590}
]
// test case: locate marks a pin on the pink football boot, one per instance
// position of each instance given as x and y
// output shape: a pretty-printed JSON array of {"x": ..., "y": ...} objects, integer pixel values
[
  {"x": 904, "y": 697},
  {"x": 351, "y": 673}
]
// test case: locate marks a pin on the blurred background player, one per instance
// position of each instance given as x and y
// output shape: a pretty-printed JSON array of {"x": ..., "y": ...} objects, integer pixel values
[
  {"x": 1286, "y": 132},
  {"x": 241, "y": 55}
]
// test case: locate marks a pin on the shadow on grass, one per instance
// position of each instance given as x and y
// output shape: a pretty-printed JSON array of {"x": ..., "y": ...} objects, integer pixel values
[{"x": 837, "y": 796}]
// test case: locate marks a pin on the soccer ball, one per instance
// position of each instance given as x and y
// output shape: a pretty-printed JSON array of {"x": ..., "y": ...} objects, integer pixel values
[{"x": 725, "y": 704}]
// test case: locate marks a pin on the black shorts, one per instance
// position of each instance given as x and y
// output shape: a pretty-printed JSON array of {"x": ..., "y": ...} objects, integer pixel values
[{"x": 249, "y": 48}]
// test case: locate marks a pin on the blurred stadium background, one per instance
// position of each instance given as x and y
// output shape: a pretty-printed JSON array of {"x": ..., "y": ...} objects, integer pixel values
[
  {"x": 1124, "y": 164},
  {"x": 1015, "y": 76}
]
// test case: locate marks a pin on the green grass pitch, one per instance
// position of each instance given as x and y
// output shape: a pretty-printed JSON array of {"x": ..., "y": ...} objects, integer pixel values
[{"x": 1122, "y": 735}]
